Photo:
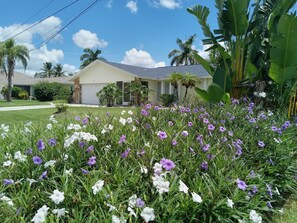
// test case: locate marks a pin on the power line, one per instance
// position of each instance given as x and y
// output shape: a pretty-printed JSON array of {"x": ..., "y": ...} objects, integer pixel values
[
  {"x": 35, "y": 24},
  {"x": 71, "y": 21},
  {"x": 29, "y": 18}
]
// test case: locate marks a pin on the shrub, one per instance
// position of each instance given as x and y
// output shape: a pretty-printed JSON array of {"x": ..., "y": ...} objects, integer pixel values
[
  {"x": 61, "y": 105},
  {"x": 206, "y": 163},
  {"x": 15, "y": 92},
  {"x": 23, "y": 95},
  {"x": 167, "y": 99},
  {"x": 109, "y": 95},
  {"x": 45, "y": 91}
]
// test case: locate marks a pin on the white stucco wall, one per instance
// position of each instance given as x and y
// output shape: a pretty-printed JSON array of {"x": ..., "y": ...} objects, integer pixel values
[{"x": 104, "y": 73}]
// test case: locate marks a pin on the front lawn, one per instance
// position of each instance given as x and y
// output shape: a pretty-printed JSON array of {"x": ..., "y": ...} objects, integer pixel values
[
  {"x": 204, "y": 163},
  {"x": 13, "y": 103},
  {"x": 42, "y": 115}
]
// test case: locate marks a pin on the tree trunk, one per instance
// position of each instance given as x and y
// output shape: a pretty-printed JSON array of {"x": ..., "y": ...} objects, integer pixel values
[
  {"x": 186, "y": 93},
  {"x": 9, "y": 87}
]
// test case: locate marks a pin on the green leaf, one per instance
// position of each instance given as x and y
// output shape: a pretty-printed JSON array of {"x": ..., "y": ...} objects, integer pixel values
[
  {"x": 215, "y": 92},
  {"x": 202, "y": 94},
  {"x": 221, "y": 78},
  {"x": 206, "y": 64}
]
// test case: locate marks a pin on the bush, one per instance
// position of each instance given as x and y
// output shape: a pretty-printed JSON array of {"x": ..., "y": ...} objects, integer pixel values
[
  {"x": 206, "y": 163},
  {"x": 109, "y": 95},
  {"x": 61, "y": 105},
  {"x": 167, "y": 99},
  {"x": 23, "y": 95},
  {"x": 45, "y": 91},
  {"x": 16, "y": 92}
]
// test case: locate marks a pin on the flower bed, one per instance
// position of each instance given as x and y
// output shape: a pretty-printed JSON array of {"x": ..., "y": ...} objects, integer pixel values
[{"x": 184, "y": 164}]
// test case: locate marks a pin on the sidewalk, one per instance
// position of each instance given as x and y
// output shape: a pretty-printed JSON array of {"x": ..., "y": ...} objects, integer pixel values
[{"x": 29, "y": 107}]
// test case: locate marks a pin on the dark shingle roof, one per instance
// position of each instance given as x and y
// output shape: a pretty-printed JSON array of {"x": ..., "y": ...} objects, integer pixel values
[{"x": 160, "y": 73}]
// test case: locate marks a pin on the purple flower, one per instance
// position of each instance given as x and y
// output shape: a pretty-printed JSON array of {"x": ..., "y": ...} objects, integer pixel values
[
  {"x": 211, "y": 127},
  {"x": 167, "y": 164},
  {"x": 209, "y": 156},
  {"x": 185, "y": 133},
  {"x": 241, "y": 184},
  {"x": 81, "y": 144},
  {"x": 274, "y": 128},
  {"x": 192, "y": 151},
  {"x": 77, "y": 118},
  {"x": 190, "y": 124},
  {"x": 255, "y": 189},
  {"x": 52, "y": 142},
  {"x": 90, "y": 149},
  {"x": 157, "y": 108},
  {"x": 230, "y": 133},
  {"x": 144, "y": 112},
  {"x": 206, "y": 147},
  {"x": 204, "y": 165},
  {"x": 141, "y": 152},
  {"x": 139, "y": 203},
  {"x": 43, "y": 175},
  {"x": 125, "y": 153},
  {"x": 122, "y": 139},
  {"x": 84, "y": 171},
  {"x": 92, "y": 161},
  {"x": 261, "y": 144},
  {"x": 29, "y": 151},
  {"x": 170, "y": 123},
  {"x": 162, "y": 135},
  {"x": 40, "y": 145},
  {"x": 174, "y": 142},
  {"x": 252, "y": 174},
  {"x": 239, "y": 142},
  {"x": 37, "y": 160},
  {"x": 252, "y": 120},
  {"x": 269, "y": 204},
  {"x": 269, "y": 190},
  {"x": 205, "y": 120},
  {"x": 7, "y": 182},
  {"x": 85, "y": 121},
  {"x": 148, "y": 106},
  {"x": 222, "y": 129}
]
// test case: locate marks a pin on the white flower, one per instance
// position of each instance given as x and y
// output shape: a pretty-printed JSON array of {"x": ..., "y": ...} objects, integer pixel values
[
  {"x": 40, "y": 215},
  {"x": 7, "y": 163},
  {"x": 57, "y": 197},
  {"x": 49, "y": 126},
  {"x": 154, "y": 118},
  {"x": 255, "y": 93},
  {"x": 183, "y": 187},
  {"x": 76, "y": 127},
  {"x": 20, "y": 157},
  {"x": 4, "y": 128},
  {"x": 148, "y": 214},
  {"x": 130, "y": 112},
  {"x": 161, "y": 184},
  {"x": 123, "y": 112},
  {"x": 270, "y": 82},
  {"x": 6, "y": 199},
  {"x": 115, "y": 219},
  {"x": 158, "y": 168},
  {"x": 277, "y": 140},
  {"x": 50, "y": 163},
  {"x": 27, "y": 130},
  {"x": 281, "y": 211},
  {"x": 230, "y": 203},
  {"x": 59, "y": 212},
  {"x": 103, "y": 131},
  {"x": 52, "y": 119},
  {"x": 256, "y": 218},
  {"x": 147, "y": 144},
  {"x": 129, "y": 120},
  {"x": 65, "y": 157},
  {"x": 196, "y": 198},
  {"x": 31, "y": 181},
  {"x": 7, "y": 156},
  {"x": 262, "y": 94},
  {"x": 107, "y": 148},
  {"x": 133, "y": 128},
  {"x": 69, "y": 172},
  {"x": 122, "y": 121},
  {"x": 98, "y": 186},
  {"x": 143, "y": 169},
  {"x": 132, "y": 200},
  {"x": 111, "y": 207}
]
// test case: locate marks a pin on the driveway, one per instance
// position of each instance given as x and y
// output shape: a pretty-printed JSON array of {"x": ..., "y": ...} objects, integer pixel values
[{"x": 17, "y": 108}]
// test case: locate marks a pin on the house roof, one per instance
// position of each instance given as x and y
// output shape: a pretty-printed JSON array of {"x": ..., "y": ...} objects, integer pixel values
[
  {"x": 159, "y": 73},
  {"x": 25, "y": 80}
]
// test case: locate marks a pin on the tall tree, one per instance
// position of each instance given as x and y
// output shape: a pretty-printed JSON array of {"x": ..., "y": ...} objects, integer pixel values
[
  {"x": 89, "y": 56},
  {"x": 10, "y": 53},
  {"x": 185, "y": 54},
  {"x": 58, "y": 71},
  {"x": 46, "y": 71}
]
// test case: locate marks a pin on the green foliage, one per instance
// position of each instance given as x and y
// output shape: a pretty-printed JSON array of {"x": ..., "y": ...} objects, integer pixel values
[
  {"x": 16, "y": 92},
  {"x": 109, "y": 95},
  {"x": 231, "y": 149},
  {"x": 44, "y": 91},
  {"x": 23, "y": 95},
  {"x": 89, "y": 56},
  {"x": 139, "y": 91},
  {"x": 214, "y": 93},
  {"x": 61, "y": 105},
  {"x": 167, "y": 99}
]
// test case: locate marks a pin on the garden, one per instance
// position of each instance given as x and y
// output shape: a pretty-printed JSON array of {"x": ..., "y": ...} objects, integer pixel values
[{"x": 198, "y": 163}]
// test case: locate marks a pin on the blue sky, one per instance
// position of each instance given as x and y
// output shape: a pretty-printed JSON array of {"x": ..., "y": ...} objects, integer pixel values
[{"x": 140, "y": 32}]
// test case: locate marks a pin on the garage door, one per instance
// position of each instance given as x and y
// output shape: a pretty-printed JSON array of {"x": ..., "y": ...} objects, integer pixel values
[{"x": 88, "y": 93}]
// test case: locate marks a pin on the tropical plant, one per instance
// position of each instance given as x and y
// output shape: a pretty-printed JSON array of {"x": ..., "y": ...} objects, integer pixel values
[
  {"x": 89, "y": 56},
  {"x": 189, "y": 81},
  {"x": 109, "y": 95},
  {"x": 46, "y": 71},
  {"x": 58, "y": 71},
  {"x": 185, "y": 54},
  {"x": 10, "y": 53},
  {"x": 139, "y": 91},
  {"x": 174, "y": 79}
]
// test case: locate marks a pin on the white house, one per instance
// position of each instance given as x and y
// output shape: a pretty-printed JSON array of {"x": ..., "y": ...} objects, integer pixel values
[{"x": 99, "y": 73}]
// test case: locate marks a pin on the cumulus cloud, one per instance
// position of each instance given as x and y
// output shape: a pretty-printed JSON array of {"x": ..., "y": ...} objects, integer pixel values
[
  {"x": 86, "y": 39},
  {"x": 169, "y": 4},
  {"x": 132, "y": 6},
  {"x": 109, "y": 4},
  {"x": 40, "y": 32},
  {"x": 140, "y": 58},
  {"x": 70, "y": 69}
]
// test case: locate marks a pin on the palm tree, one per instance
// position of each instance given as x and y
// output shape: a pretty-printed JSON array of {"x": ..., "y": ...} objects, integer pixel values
[
  {"x": 58, "y": 71},
  {"x": 47, "y": 70},
  {"x": 189, "y": 81},
  {"x": 185, "y": 55},
  {"x": 174, "y": 79},
  {"x": 89, "y": 56},
  {"x": 10, "y": 53}
]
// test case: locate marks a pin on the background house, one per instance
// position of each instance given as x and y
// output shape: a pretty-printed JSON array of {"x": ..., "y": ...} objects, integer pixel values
[
  {"x": 27, "y": 82},
  {"x": 99, "y": 73}
]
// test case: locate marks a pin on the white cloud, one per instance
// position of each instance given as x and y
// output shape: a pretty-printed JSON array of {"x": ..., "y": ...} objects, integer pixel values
[
  {"x": 70, "y": 68},
  {"x": 169, "y": 4},
  {"x": 132, "y": 6},
  {"x": 85, "y": 39},
  {"x": 140, "y": 58},
  {"x": 109, "y": 4}
]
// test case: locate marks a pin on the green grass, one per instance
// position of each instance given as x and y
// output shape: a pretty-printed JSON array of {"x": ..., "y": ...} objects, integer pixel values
[
  {"x": 42, "y": 115},
  {"x": 13, "y": 103},
  {"x": 290, "y": 212}
]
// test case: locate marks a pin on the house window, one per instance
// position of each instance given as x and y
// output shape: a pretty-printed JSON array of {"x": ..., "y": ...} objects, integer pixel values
[{"x": 167, "y": 88}]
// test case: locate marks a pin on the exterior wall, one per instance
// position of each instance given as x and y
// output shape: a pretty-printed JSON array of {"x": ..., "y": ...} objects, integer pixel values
[
  {"x": 104, "y": 73},
  {"x": 152, "y": 85}
]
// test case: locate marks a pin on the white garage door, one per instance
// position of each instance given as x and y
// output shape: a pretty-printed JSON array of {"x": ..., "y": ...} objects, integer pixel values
[{"x": 88, "y": 93}]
